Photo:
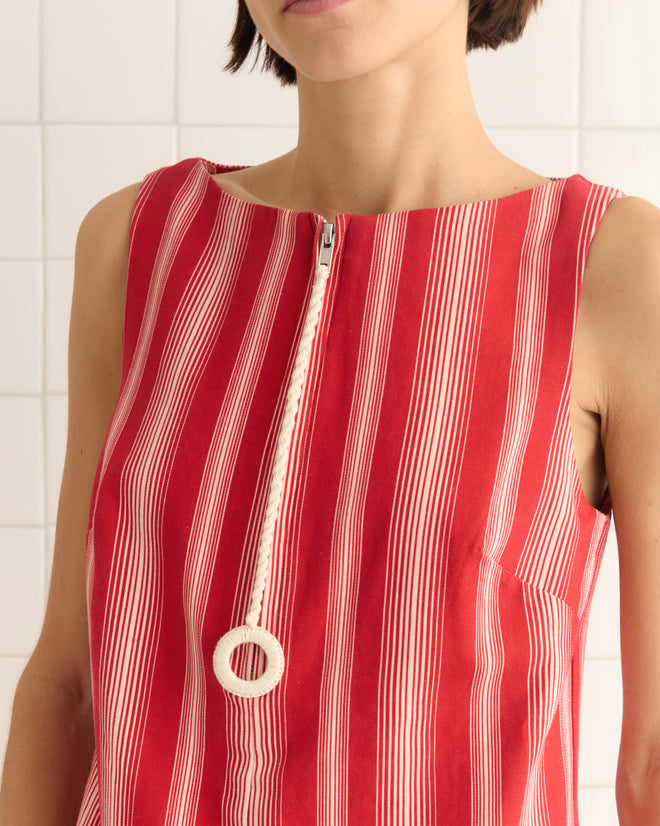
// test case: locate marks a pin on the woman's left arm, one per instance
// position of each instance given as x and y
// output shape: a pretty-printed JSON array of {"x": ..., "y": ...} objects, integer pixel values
[{"x": 628, "y": 282}]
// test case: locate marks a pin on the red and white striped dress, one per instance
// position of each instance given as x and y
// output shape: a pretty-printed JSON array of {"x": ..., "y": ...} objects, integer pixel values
[{"x": 434, "y": 556}]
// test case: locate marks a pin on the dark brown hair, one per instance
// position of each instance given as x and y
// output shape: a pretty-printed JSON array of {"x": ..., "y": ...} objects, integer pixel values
[{"x": 490, "y": 24}]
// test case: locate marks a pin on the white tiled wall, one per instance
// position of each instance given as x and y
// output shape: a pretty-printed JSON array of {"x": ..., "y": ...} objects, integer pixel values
[{"x": 95, "y": 94}]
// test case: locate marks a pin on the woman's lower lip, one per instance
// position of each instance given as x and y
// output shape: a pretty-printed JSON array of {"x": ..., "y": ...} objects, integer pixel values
[{"x": 314, "y": 6}]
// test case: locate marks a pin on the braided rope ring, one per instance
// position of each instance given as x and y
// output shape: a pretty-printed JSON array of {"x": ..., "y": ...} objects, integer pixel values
[{"x": 274, "y": 661}]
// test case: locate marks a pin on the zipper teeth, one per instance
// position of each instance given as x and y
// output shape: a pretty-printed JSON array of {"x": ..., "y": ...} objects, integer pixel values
[{"x": 294, "y": 393}]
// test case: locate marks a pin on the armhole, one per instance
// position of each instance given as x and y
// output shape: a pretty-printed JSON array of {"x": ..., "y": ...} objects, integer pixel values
[
  {"x": 599, "y": 199},
  {"x": 136, "y": 288},
  {"x": 134, "y": 308}
]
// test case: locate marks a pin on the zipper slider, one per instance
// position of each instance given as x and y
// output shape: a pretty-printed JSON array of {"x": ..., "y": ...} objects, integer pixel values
[{"x": 327, "y": 244}]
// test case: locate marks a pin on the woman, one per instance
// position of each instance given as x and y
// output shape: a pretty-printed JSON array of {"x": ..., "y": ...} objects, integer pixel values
[{"x": 354, "y": 416}]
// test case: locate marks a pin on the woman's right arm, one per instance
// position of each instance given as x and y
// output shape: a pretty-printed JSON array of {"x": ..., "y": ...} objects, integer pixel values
[{"x": 51, "y": 739}]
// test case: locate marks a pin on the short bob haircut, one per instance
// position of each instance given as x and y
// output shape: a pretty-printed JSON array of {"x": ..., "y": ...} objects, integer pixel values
[{"x": 490, "y": 24}]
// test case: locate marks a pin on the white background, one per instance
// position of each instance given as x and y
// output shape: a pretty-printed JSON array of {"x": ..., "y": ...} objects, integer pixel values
[{"x": 93, "y": 95}]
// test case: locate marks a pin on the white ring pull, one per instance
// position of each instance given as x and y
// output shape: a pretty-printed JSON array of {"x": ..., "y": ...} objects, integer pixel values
[{"x": 274, "y": 661}]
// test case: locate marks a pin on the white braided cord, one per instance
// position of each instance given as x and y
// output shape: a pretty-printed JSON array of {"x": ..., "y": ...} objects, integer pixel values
[{"x": 278, "y": 472}]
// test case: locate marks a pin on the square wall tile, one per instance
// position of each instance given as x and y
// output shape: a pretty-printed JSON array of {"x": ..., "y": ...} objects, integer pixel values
[
  {"x": 549, "y": 152},
  {"x": 11, "y": 669},
  {"x": 20, "y": 327},
  {"x": 626, "y": 159},
  {"x": 56, "y": 433},
  {"x": 598, "y": 807},
  {"x": 207, "y": 94},
  {"x": 59, "y": 290},
  {"x": 20, "y": 193},
  {"x": 603, "y": 637},
  {"x": 535, "y": 81},
  {"x": 19, "y": 60},
  {"x": 86, "y": 163},
  {"x": 21, "y": 461},
  {"x": 621, "y": 84},
  {"x": 22, "y": 574},
  {"x": 236, "y": 144},
  {"x": 600, "y": 722},
  {"x": 109, "y": 61}
]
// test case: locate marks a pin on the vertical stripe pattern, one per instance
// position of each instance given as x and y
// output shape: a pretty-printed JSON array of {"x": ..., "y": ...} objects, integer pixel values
[{"x": 434, "y": 556}]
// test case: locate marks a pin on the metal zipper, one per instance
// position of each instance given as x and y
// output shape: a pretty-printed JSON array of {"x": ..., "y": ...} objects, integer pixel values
[
  {"x": 327, "y": 244},
  {"x": 251, "y": 631}
]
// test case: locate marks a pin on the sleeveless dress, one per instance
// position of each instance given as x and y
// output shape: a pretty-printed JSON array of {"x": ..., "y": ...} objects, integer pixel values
[{"x": 434, "y": 556}]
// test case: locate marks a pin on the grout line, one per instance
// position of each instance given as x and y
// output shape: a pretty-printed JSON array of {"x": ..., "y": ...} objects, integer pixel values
[
  {"x": 18, "y": 658},
  {"x": 170, "y": 122},
  {"x": 596, "y": 787},
  {"x": 9, "y": 123},
  {"x": 592, "y": 659},
  {"x": 580, "y": 89},
  {"x": 23, "y": 526},
  {"x": 35, "y": 394},
  {"x": 44, "y": 293},
  {"x": 42, "y": 137},
  {"x": 176, "y": 72},
  {"x": 44, "y": 423},
  {"x": 40, "y": 62},
  {"x": 40, "y": 260},
  {"x": 27, "y": 526},
  {"x": 33, "y": 260}
]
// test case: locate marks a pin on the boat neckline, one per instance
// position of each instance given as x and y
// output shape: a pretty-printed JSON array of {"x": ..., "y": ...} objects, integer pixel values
[{"x": 212, "y": 168}]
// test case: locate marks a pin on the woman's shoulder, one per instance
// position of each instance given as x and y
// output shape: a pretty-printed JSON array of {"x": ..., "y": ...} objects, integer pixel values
[
  {"x": 620, "y": 302},
  {"x": 111, "y": 216},
  {"x": 624, "y": 256},
  {"x": 103, "y": 241},
  {"x": 100, "y": 280}
]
